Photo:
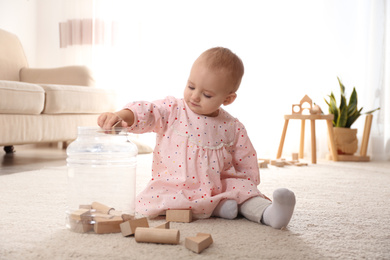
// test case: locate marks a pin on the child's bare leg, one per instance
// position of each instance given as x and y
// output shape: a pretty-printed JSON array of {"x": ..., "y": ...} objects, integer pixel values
[
  {"x": 276, "y": 214},
  {"x": 226, "y": 209}
]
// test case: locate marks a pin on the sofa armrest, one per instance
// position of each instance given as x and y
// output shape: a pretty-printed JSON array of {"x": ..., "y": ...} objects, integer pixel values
[{"x": 71, "y": 75}]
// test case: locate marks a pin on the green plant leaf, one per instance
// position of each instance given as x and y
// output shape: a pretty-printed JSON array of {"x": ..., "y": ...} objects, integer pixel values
[
  {"x": 352, "y": 118},
  {"x": 345, "y": 115},
  {"x": 333, "y": 109},
  {"x": 343, "y": 103},
  {"x": 352, "y": 105},
  {"x": 342, "y": 120},
  {"x": 342, "y": 88},
  {"x": 372, "y": 111}
]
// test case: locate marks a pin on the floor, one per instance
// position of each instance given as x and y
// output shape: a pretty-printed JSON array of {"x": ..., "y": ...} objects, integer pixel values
[{"x": 30, "y": 158}]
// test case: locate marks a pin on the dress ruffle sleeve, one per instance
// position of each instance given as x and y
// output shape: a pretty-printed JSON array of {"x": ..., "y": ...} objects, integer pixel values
[{"x": 153, "y": 116}]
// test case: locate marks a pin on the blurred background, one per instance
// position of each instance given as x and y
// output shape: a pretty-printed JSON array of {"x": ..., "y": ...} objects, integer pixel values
[{"x": 145, "y": 49}]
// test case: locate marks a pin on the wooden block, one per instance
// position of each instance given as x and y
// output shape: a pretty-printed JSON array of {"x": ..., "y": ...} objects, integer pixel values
[
  {"x": 278, "y": 163},
  {"x": 157, "y": 235},
  {"x": 296, "y": 109},
  {"x": 115, "y": 213},
  {"x": 101, "y": 215},
  {"x": 300, "y": 164},
  {"x": 268, "y": 161},
  {"x": 105, "y": 226},
  {"x": 85, "y": 206},
  {"x": 295, "y": 157},
  {"x": 163, "y": 226},
  {"x": 127, "y": 217},
  {"x": 128, "y": 228},
  {"x": 81, "y": 214},
  {"x": 101, "y": 207},
  {"x": 262, "y": 164},
  {"x": 199, "y": 243},
  {"x": 80, "y": 226},
  {"x": 178, "y": 215}
]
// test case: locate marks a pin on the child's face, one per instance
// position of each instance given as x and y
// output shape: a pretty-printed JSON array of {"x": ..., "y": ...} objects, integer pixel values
[{"x": 207, "y": 90}]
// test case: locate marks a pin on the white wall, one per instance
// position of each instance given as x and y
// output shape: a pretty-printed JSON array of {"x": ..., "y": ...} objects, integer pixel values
[
  {"x": 48, "y": 18},
  {"x": 36, "y": 23},
  {"x": 19, "y": 17}
]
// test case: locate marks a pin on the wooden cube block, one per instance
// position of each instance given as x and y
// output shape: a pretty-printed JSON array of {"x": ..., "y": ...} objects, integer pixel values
[
  {"x": 268, "y": 161},
  {"x": 163, "y": 226},
  {"x": 199, "y": 243},
  {"x": 295, "y": 157},
  {"x": 179, "y": 215},
  {"x": 277, "y": 163},
  {"x": 80, "y": 226},
  {"x": 81, "y": 214},
  {"x": 263, "y": 164},
  {"x": 128, "y": 228},
  {"x": 127, "y": 217},
  {"x": 105, "y": 226}
]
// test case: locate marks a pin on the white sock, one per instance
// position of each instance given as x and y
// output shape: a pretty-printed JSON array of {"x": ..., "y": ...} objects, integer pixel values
[
  {"x": 279, "y": 213},
  {"x": 226, "y": 209}
]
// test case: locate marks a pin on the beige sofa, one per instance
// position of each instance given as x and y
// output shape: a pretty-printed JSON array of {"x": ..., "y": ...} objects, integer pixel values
[{"x": 44, "y": 105}]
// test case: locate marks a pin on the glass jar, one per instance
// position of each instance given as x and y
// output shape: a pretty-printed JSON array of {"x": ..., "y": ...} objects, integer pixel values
[{"x": 101, "y": 171}]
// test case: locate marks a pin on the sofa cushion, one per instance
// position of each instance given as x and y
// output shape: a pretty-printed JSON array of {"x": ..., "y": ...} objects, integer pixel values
[
  {"x": 21, "y": 98},
  {"x": 65, "y": 99},
  {"x": 70, "y": 75}
]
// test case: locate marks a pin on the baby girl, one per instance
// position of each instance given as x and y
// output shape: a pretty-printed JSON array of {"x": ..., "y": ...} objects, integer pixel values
[{"x": 203, "y": 159}]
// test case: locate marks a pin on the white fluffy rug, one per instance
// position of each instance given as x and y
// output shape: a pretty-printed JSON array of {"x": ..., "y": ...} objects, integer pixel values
[{"x": 342, "y": 212}]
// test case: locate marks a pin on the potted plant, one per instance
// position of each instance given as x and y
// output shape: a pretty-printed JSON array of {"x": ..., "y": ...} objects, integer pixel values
[{"x": 345, "y": 115}]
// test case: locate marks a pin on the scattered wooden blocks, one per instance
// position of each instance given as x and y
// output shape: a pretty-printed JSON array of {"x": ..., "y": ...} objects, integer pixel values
[
  {"x": 157, "y": 235},
  {"x": 282, "y": 162},
  {"x": 128, "y": 228},
  {"x": 97, "y": 217},
  {"x": 179, "y": 215},
  {"x": 199, "y": 243},
  {"x": 105, "y": 226},
  {"x": 82, "y": 220}
]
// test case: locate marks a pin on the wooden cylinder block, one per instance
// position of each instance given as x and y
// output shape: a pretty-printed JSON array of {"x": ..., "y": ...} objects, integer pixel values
[
  {"x": 101, "y": 207},
  {"x": 157, "y": 235}
]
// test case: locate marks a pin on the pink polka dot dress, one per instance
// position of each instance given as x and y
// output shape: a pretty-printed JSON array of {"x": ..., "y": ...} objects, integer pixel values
[{"x": 198, "y": 160}]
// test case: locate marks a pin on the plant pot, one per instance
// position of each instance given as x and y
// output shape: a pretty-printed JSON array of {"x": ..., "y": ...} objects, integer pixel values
[{"x": 345, "y": 140}]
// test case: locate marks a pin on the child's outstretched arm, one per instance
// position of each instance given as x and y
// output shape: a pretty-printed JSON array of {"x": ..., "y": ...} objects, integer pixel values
[{"x": 108, "y": 120}]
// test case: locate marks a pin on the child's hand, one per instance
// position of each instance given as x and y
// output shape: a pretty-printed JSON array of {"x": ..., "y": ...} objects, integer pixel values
[
  {"x": 123, "y": 118},
  {"x": 107, "y": 120}
]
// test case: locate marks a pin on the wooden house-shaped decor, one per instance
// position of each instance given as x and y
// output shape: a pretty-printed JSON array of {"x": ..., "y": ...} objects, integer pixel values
[{"x": 304, "y": 107}]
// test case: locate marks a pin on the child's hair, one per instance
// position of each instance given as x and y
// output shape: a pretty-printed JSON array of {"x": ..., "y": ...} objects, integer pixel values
[{"x": 220, "y": 58}]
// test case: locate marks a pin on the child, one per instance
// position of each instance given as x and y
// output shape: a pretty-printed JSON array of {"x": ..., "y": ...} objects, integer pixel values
[{"x": 203, "y": 159}]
